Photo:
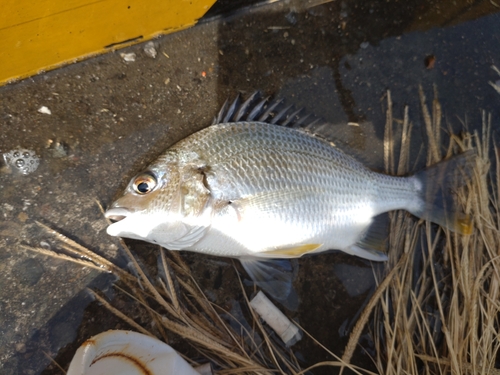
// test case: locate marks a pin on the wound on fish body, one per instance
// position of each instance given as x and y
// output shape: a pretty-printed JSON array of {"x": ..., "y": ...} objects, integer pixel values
[{"x": 253, "y": 187}]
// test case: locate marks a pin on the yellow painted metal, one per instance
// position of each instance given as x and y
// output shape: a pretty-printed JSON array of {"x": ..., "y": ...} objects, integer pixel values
[{"x": 44, "y": 34}]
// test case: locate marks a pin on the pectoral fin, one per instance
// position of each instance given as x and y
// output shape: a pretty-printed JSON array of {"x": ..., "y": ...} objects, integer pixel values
[
  {"x": 193, "y": 235},
  {"x": 294, "y": 251}
]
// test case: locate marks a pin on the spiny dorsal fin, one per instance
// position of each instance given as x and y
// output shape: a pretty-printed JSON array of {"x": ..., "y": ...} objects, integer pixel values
[
  {"x": 276, "y": 111},
  {"x": 271, "y": 111}
]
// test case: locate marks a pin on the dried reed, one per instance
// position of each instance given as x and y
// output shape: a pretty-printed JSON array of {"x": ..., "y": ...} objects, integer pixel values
[
  {"x": 435, "y": 312},
  {"x": 177, "y": 305},
  {"x": 439, "y": 311}
]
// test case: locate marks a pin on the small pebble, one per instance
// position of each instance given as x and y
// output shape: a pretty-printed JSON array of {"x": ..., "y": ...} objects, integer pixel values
[
  {"x": 8, "y": 207},
  {"x": 43, "y": 109},
  {"x": 58, "y": 149},
  {"x": 430, "y": 61},
  {"x": 128, "y": 57},
  {"x": 150, "y": 50},
  {"x": 23, "y": 216},
  {"x": 45, "y": 245}
]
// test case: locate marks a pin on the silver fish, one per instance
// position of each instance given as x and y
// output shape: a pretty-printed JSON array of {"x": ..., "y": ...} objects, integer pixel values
[{"x": 255, "y": 191}]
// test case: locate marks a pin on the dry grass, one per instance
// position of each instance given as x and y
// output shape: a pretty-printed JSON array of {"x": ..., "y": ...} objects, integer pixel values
[
  {"x": 177, "y": 305},
  {"x": 436, "y": 310}
]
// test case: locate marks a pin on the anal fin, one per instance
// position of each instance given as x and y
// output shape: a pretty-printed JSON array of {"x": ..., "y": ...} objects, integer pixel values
[
  {"x": 370, "y": 254},
  {"x": 372, "y": 244}
]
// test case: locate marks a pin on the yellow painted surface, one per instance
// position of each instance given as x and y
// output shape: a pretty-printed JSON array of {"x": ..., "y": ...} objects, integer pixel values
[{"x": 44, "y": 34}]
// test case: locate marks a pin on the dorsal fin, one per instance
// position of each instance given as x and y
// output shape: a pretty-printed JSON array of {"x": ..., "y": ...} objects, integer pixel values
[
  {"x": 265, "y": 109},
  {"x": 276, "y": 111}
]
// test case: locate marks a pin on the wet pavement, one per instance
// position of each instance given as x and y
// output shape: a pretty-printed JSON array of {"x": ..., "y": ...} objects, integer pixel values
[{"x": 109, "y": 118}]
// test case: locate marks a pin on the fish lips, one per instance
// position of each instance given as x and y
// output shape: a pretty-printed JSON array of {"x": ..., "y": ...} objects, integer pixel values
[{"x": 118, "y": 215}]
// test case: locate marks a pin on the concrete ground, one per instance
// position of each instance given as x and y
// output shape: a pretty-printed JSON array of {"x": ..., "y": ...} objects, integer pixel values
[{"x": 109, "y": 118}]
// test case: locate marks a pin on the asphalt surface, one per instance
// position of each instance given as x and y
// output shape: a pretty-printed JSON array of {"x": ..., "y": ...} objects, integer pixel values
[{"x": 109, "y": 118}]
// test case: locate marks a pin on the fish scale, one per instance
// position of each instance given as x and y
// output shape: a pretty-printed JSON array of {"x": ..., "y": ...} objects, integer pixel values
[
  {"x": 302, "y": 161},
  {"x": 257, "y": 191}
]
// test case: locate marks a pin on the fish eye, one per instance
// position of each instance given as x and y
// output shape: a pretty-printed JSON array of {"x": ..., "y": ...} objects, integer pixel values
[{"x": 144, "y": 183}]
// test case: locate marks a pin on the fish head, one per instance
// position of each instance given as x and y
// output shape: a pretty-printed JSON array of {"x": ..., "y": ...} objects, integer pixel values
[{"x": 164, "y": 204}]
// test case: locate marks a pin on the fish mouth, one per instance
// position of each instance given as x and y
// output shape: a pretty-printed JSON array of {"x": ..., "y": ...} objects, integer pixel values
[
  {"x": 126, "y": 223},
  {"x": 117, "y": 214}
]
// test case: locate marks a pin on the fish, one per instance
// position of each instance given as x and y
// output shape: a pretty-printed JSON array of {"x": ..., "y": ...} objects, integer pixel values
[{"x": 257, "y": 186}]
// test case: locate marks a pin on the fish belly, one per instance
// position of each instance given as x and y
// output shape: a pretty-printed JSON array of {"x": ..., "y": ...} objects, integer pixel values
[
  {"x": 329, "y": 216},
  {"x": 269, "y": 235},
  {"x": 275, "y": 189}
]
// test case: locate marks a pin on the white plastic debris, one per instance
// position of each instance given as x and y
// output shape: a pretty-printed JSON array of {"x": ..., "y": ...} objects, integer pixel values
[
  {"x": 43, "y": 109},
  {"x": 150, "y": 50},
  {"x": 21, "y": 161},
  {"x": 128, "y": 57},
  {"x": 127, "y": 353},
  {"x": 288, "y": 331}
]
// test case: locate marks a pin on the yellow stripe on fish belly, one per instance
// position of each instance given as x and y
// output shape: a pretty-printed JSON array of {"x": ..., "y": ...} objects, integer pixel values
[{"x": 295, "y": 251}]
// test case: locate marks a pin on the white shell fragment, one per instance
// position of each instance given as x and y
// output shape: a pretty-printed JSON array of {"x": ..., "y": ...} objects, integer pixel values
[
  {"x": 127, "y": 353},
  {"x": 150, "y": 50},
  {"x": 128, "y": 57},
  {"x": 288, "y": 331},
  {"x": 21, "y": 161},
  {"x": 43, "y": 109}
]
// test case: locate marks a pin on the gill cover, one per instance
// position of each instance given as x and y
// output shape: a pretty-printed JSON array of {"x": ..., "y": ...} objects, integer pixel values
[{"x": 167, "y": 205}]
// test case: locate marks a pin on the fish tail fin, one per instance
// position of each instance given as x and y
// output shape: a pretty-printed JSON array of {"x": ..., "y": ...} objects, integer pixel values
[{"x": 437, "y": 183}]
